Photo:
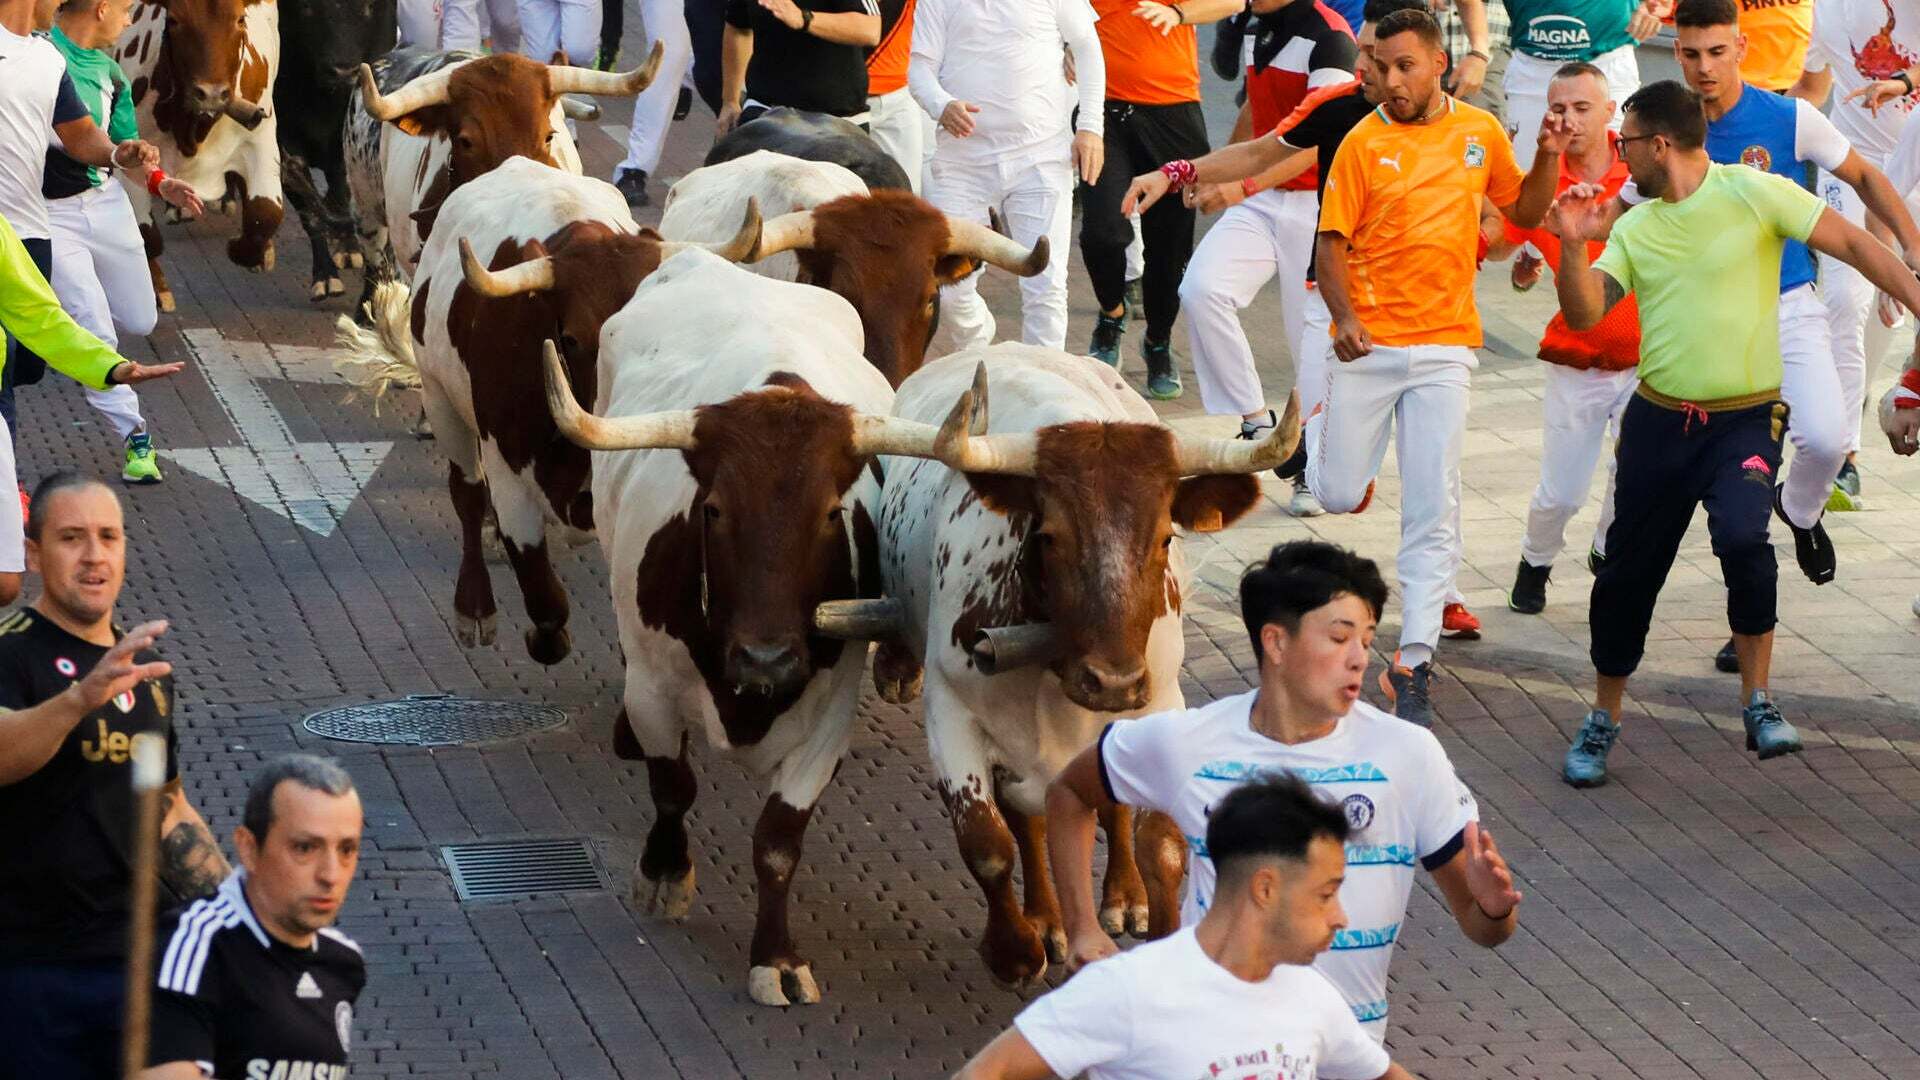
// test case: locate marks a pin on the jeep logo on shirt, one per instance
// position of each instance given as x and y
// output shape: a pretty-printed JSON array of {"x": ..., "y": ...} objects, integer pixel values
[{"x": 1558, "y": 33}]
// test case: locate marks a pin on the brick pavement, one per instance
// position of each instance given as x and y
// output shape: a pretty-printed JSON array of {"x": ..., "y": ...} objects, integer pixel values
[{"x": 1701, "y": 916}]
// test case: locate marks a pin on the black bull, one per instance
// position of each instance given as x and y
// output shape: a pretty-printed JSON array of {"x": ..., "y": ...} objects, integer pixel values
[{"x": 813, "y": 137}]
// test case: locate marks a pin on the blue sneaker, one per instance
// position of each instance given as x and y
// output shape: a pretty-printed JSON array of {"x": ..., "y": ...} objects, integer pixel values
[
  {"x": 1163, "y": 379},
  {"x": 1768, "y": 733},
  {"x": 1106, "y": 338},
  {"x": 1586, "y": 762}
]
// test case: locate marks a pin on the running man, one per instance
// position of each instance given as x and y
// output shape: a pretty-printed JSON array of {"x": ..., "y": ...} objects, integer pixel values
[
  {"x": 1746, "y": 125},
  {"x": 1590, "y": 374},
  {"x": 1399, "y": 230},
  {"x": 656, "y": 107},
  {"x": 1704, "y": 428},
  {"x": 1310, "y": 610},
  {"x": 1230, "y": 995}
]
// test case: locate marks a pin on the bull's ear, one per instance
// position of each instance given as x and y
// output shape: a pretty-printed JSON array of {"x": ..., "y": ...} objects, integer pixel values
[
  {"x": 1211, "y": 503},
  {"x": 949, "y": 269},
  {"x": 426, "y": 120},
  {"x": 1005, "y": 494}
]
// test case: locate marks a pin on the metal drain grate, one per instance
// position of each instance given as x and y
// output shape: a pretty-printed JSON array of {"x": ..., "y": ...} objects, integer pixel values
[
  {"x": 493, "y": 870},
  {"x": 434, "y": 720}
]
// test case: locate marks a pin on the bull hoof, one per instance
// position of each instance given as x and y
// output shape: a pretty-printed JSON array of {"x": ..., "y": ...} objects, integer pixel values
[
  {"x": 897, "y": 674},
  {"x": 1139, "y": 922},
  {"x": 358, "y": 262},
  {"x": 164, "y": 299},
  {"x": 897, "y": 691},
  {"x": 769, "y": 985},
  {"x": 318, "y": 293},
  {"x": 335, "y": 287},
  {"x": 472, "y": 632},
  {"x": 548, "y": 646},
  {"x": 339, "y": 260},
  {"x": 666, "y": 899},
  {"x": 1113, "y": 920},
  {"x": 422, "y": 427},
  {"x": 266, "y": 260},
  {"x": 1014, "y": 953}
]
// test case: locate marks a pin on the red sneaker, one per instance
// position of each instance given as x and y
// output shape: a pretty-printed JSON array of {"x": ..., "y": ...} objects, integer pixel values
[
  {"x": 1365, "y": 500},
  {"x": 1457, "y": 622}
]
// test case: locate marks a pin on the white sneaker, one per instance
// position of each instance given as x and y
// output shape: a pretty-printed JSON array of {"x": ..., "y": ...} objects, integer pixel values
[{"x": 1304, "y": 505}]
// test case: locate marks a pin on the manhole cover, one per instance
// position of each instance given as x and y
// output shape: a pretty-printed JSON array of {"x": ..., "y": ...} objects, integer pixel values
[
  {"x": 493, "y": 870},
  {"x": 434, "y": 720}
]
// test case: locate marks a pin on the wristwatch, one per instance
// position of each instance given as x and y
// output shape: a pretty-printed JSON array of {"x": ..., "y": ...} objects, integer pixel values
[
  {"x": 1906, "y": 80},
  {"x": 806, "y": 20}
]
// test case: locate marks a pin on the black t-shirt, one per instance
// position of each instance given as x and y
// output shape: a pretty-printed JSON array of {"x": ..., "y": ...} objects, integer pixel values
[
  {"x": 244, "y": 1005},
  {"x": 65, "y": 853},
  {"x": 796, "y": 69},
  {"x": 1322, "y": 130}
]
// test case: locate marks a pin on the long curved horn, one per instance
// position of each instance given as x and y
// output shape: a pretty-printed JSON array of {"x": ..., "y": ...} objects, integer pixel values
[
  {"x": 578, "y": 80},
  {"x": 649, "y": 431},
  {"x": 1201, "y": 456},
  {"x": 534, "y": 275},
  {"x": 739, "y": 249},
  {"x": 428, "y": 89},
  {"x": 788, "y": 232},
  {"x": 893, "y": 435},
  {"x": 959, "y": 446},
  {"x": 978, "y": 241}
]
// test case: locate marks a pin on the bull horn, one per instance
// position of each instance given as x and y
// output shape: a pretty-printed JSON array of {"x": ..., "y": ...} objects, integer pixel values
[
  {"x": 1201, "y": 456},
  {"x": 649, "y": 431},
  {"x": 534, "y": 275},
  {"x": 893, "y": 435},
  {"x": 428, "y": 89},
  {"x": 977, "y": 241},
  {"x": 858, "y": 620},
  {"x": 739, "y": 249},
  {"x": 248, "y": 114},
  {"x": 788, "y": 232},
  {"x": 1004, "y": 648},
  {"x": 579, "y": 80},
  {"x": 575, "y": 109},
  {"x": 960, "y": 444}
]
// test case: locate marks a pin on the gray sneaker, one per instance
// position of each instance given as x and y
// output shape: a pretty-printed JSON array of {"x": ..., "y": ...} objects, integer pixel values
[
  {"x": 1768, "y": 733},
  {"x": 1408, "y": 689},
  {"x": 1586, "y": 761}
]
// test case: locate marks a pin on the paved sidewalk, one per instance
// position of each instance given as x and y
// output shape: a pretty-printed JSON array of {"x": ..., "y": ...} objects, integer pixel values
[{"x": 1701, "y": 916}]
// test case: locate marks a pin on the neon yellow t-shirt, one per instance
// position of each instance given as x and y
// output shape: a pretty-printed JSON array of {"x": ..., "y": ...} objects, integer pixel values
[
  {"x": 1706, "y": 272},
  {"x": 30, "y": 313}
]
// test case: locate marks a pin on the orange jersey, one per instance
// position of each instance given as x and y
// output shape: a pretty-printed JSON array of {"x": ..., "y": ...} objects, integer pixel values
[
  {"x": 887, "y": 64},
  {"x": 1777, "y": 35},
  {"x": 1614, "y": 343},
  {"x": 1144, "y": 66},
  {"x": 1407, "y": 198}
]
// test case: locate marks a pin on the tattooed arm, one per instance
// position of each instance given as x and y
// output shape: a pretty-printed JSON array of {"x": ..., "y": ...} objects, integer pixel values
[{"x": 190, "y": 860}]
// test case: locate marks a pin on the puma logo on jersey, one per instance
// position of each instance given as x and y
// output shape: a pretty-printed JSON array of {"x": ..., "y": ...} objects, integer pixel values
[{"x": 1393, "y": 161}]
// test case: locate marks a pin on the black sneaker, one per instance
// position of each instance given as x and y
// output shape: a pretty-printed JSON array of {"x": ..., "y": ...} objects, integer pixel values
[
  {"x": 1107, "y": 332},
  {"x": 683, "y": 104},
  {"x": 1163, "y": 379},
  {"x": 633, "y": 184},
  {"x": 1529, "y": 593},
  {"x": 1409, "y": 691},
  {"x": 1811, "y": 548},
  {"x": 1727, "y": 659}
]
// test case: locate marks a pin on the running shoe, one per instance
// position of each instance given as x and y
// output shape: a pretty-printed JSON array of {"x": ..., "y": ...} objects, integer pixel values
[
  {"x": 1529, "y": 593},
  {"x": 1136, "y": 301},
  {"x": 632, "y": 183},
  {"x": 1459, "y": 623},
  {"x": 1407, "y": 688},
  {"x": 1303, "y": 504},
  {"x": 1845, "y": 496},
  {"x": 1595, "y": 561},
  {"x": 683, "y": 104},
  {"x": 1107, "y": 333},
  {"x": 1586, "y": 761},
  {"x": 1811, "y": 548},
  {"x": 142, "y": 466},
  {"x": 1768, "y": 733},
  {"x": 1163, "y": 378},
  {"x": 1527, "y": 269},
  {"x": 1727, "y": 659}
]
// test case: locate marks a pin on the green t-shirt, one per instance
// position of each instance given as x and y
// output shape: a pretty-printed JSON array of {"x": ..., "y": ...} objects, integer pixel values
[
  {"x": 1706, "y": 274},
  {"x": 102, "y": 87},
  {"x": 1569, "y": 29}
]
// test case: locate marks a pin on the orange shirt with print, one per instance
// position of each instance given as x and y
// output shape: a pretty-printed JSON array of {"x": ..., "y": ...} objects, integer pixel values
[
  {"x": 1777, "y": 35},
  {"x": 1407, "y": 198},
  {"x": 1144, "y": 66},
  {"x": 887, "y": 64},
  {"x": 1613, "y": 344}
]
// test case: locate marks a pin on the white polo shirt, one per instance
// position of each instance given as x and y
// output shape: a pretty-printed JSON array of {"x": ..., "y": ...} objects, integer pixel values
[
  {"x": 1393, "y": 780},
  {"x": 34, "y": 95}
]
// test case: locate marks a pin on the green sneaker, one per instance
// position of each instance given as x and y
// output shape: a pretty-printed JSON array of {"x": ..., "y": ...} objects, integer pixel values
[
  {"x": 1586, "y": 761},
  {"x": 1107, "y": 332},
  {"x": 1163, "y": 379},
  {"x": 143, "y": 467}
]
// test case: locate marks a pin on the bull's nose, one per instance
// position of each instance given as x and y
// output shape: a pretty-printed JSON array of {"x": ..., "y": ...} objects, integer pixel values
[
  {"x": 764, "y": 668},
  {"x": 207, "y": 97},
  {"x": 1101, "y": 687}
]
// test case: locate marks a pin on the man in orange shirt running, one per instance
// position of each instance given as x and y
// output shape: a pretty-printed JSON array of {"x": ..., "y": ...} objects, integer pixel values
[
  {"x": 1590, "y": 373},
  {"x": 1778, "y": 32},
  {"x": 896, "y": 121},
  {"x": 1399, "y": 231}
]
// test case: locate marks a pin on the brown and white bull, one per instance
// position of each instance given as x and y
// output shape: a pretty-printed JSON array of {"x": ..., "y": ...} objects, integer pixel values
[
  {"x": 423, "y": 123},
  {"x": 527, "y": 253},
  {"x": 742, "y": 426},
  {"x": 201, "y": 76},
  {"x": 1048, "y": 528},
  {"x": 886, "y": 252}
]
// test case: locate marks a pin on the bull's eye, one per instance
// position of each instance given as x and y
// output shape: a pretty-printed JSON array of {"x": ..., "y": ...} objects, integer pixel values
[
  {"x": 1167, "y": 543},
  {"x": 463, "y": 142},
  {"x": 836, "y": 513},
  {"x": 712, "y": 511},
  {"x": 568, "y": 344}
]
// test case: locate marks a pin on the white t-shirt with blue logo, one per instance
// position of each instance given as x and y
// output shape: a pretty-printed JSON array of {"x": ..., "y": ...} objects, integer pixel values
[{"x": 1398, "y": 788}]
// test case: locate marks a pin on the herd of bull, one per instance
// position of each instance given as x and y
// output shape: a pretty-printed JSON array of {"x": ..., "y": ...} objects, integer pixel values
[{"x": 777, "y": 475}]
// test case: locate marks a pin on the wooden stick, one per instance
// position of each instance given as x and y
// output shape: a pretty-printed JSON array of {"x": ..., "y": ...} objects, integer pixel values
[{"x": 149, "y": 775}]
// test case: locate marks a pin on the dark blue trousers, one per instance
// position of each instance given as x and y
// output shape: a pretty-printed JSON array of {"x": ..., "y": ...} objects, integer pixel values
[
  {"x": 1670, "y": 461},
  {"x": 61, "y": 1021}
]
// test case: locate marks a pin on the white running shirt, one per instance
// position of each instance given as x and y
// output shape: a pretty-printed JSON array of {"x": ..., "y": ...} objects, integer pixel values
[
  {"x": 32, "y": 99},
  {"x": 1166, "y": 1011},
  {"x": 1394, "y": 781},
  {"x": 1861, "y": 41}
]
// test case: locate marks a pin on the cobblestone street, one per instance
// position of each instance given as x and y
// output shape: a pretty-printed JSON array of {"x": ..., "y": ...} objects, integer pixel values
[{"x": 1702, "y": 915}]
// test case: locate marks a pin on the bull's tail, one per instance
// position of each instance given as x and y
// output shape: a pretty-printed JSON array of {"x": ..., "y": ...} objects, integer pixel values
[{"x": 380, "y": 359}]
